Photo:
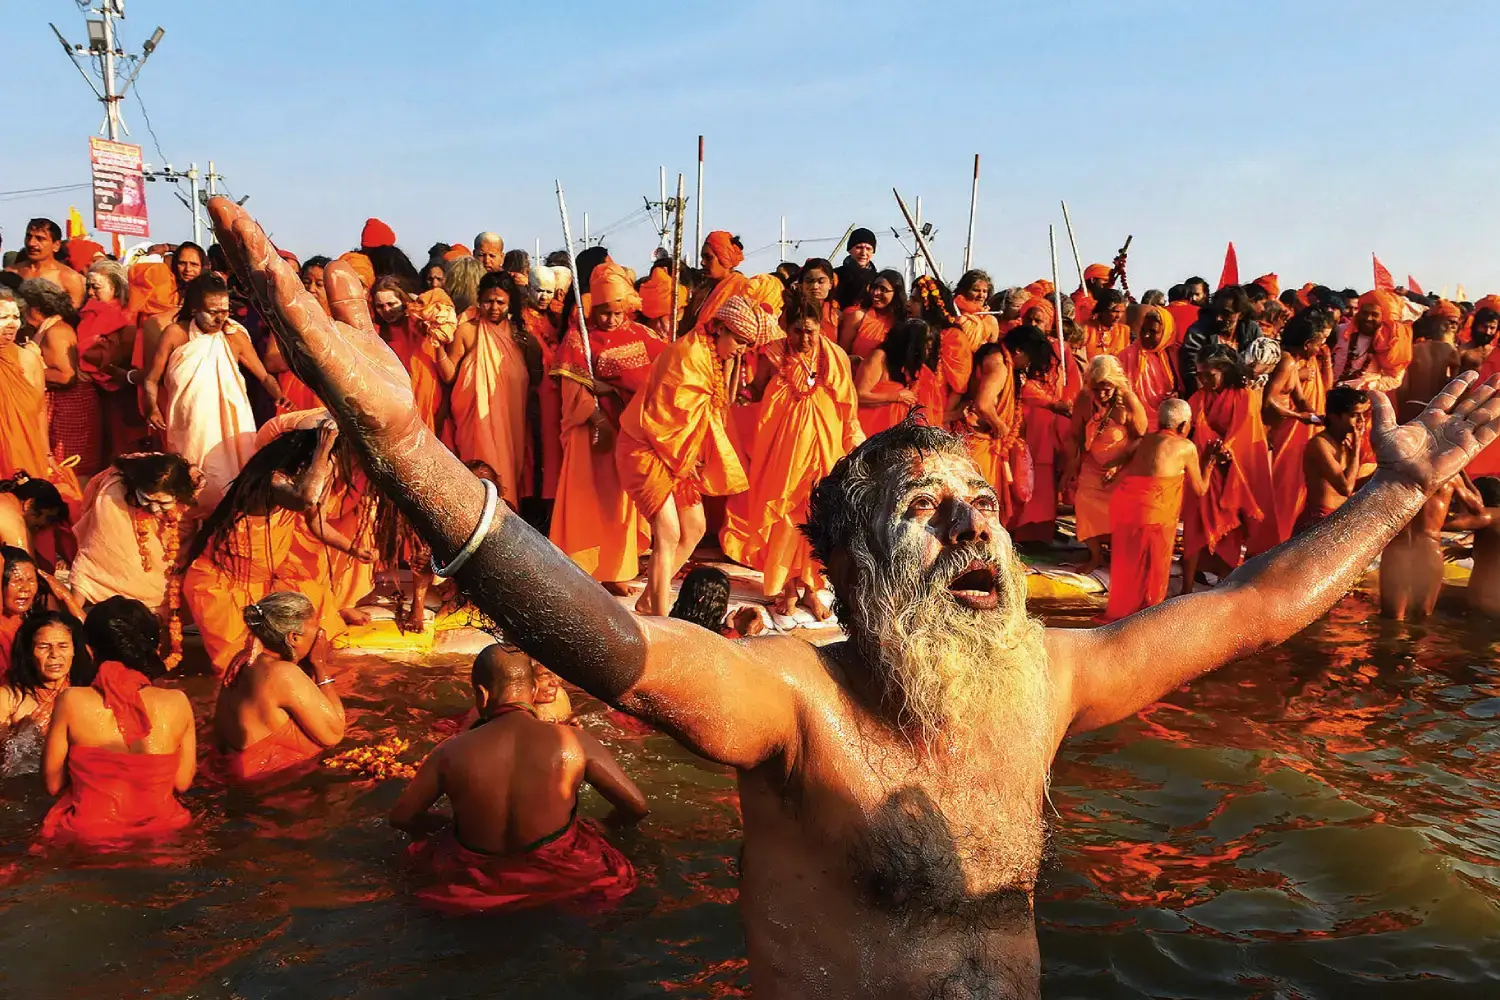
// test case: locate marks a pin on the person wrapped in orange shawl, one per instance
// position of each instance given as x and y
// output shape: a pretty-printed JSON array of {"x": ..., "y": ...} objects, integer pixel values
[
  {"x": 1095, "y": 280},
  {"x": 1148, "y": 362},
  {"x": 1378, "y": 349},
  {"x": 658, "y": 310},
  {"x": 118, "y": 750},
  {"x": 419, "y": 330},
  {"x": 1105, "y": 331},
  {"x": 1293, "y": 410},
  {"x": 1107, "y": 421},
  {"x": 722, "y": 253},
  {"x": 23, "y": 399},
  {"x": 1051, "y": 380},
  {"x": 277, "y": 708},
  {"x": 1145, "y": 507},
  {"x": 516, "y": 839},
  {"x": 675, "y": 444},
  {"x": 486, "y": 365},
  {"x": 595, "y": 521},
  {"x": 244, "y": 550},
  {"x": 960, "y": 335},
  {"x": 541, "y": 326},
  {"x": 993, "y": 432},
  {"x": 1226, "y": 418},
  {"x": 808, "y": 420},
  {"x": 864, "y": 326},
  {"x": 899, "y": 374}
]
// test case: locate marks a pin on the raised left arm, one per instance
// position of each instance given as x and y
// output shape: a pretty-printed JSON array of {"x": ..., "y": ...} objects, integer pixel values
[{"x": 1116, "y": 671}]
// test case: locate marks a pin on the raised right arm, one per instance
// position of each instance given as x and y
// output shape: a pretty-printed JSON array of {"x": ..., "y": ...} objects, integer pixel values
[{"x": 732, "y": 702}]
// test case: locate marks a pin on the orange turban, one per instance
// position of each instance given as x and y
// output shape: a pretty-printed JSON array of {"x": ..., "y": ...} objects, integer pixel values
[
  {"x": 1096, "y": 272},
  {"x": 1445, "y": 310},
  {"x": 362, "y": 267},
  {"x": 1048, "y": 314},
  {"x": 749, "y": 321},
  {"x": 1270, "y": 283},
  {"x": 609, "y": 284},
  {"x": 377, "y": 234},
  {"x": 656, "y": 294},
  {"x": 1041, "y": 288},
  {"x": 1386, "y": 300},
  {"x": 81, "y": 254},
  {"x": 721, "y": 245},
  {"x": 456, "y": 251},
  {"x": 153, "y": 290}
]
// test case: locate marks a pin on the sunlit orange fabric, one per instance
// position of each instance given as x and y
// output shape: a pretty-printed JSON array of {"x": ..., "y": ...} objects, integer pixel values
[
  {"x": 1002, "y": 457},
  {"x": 1046, "y": 434},
  {"x": 721, "y": 245},
  {"x": 595, "y": 521},
  {"x": 153, "y": 291},
  {"x": 419, "y": 356},
  {"x": 363, "y": 269},
  {"x": 216, "y": 595},
  {"x": 456, "y": 251},
  {"x": 873, "y": 328},
  {"x": 1102, "y": 444},
  {"x": 1150, "y": 372},
  {"x": 956, "y": 350},
  {"x": 1184, "y": 315},
  {"x": 1143, "y": 515},
  {"x": 278, "y": 753},
  {"x": 730, "y": 286},
  {"x": 1105, "y": 339},
  {"x": 1270, "y": 283},
  {"x": 1288, "y": 447},
  {"x": 674, "y": 434},
  {"x": 656, "y": 294},
  {"x": 1391, "y": 348},
  {"x": 808, "y": 420},
  {"x": 489, "y": 406},
  {"x": 23, "y": 413},
  {"x": 1041, "y": 288},
  {"x": 931, "y": 395},
  {"x": 343, "y": 578},
  {"x": 115, "y": 798},
  {"x": 297, "y": 392},
  {"x": 610, "y": 283},
  {"x": 1096, "y": 272},
  {"x": 1238, "y": 499},
  {"x": 9, "y": 626},
  {"x": 577, "y": 866}
]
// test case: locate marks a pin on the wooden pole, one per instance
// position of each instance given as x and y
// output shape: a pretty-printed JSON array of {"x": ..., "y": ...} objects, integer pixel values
[
  {"x": 698, "y": 245},
  {"x": 679, "y": 205},
  {"x": 661, "y": 176},
  {"x": 973, "y": 208},
  {"x": 917, "y": 233},
  {"x": 1077, "y": 261},
  {"x": 1062, "y": 342},
  {"x": 833, "y": 254},
  {"x": 583, "y": 330}
]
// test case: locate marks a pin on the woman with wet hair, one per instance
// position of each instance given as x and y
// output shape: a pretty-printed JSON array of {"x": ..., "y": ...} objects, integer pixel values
[
  {"x": 48, "y": 657},
  {"x": 278, "y": 707},
  {"x": 119, "y": 749},
  {"x": 28, "y": 506},
  {"x": 74, "y": 426}
]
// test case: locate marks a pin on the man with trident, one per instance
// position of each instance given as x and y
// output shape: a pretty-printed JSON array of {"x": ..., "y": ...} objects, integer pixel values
[{"x": 892, "y": 784}]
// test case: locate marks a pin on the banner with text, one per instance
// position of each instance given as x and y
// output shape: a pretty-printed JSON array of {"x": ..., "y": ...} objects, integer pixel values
[{"x": 119, "y": 188}]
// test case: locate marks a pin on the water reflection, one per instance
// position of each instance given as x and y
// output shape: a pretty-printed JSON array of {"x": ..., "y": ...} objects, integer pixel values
[{"x": 1322, "y": 816}]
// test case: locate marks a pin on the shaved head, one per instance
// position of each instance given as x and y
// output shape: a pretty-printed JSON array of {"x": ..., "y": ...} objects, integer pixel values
[
  {"x": 498, "y": 667},
  {"x": 489, "y": 250}
]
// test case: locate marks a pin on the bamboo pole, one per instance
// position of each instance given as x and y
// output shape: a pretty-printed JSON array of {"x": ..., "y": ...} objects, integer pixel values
[
  {"x": 583, "y": 330},
  {"x": 1062, "y": 342},
  {"x": 676, "y": 254},
  {"x": 917, "y": 233},
  {"x": 1077, "y": 261},
  {"x": 698, "y": 245}
]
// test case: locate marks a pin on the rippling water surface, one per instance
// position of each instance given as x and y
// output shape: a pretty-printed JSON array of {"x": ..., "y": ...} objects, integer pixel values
[{"x": 1317, "y": 821}]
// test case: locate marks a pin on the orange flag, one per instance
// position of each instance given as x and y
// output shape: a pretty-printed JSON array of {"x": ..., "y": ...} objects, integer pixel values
[
  {"x": 1231, "y": 273},
  {"x": 1411, "y": 284},
  {"x": 1383, "y": 279}
]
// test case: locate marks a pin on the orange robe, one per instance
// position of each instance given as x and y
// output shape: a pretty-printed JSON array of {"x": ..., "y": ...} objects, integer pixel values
[
  {"x": 1184, "y": 315},
  {"x": 871, "y": 332},
  {"x": 489, "y": 407},
  {"x": 807, "y": 421},
  {"x": 1102, "y": 444},
  {"x": 575, "y": 865},
  {"x": 297, "y": 392},
  {"x": 1289, "y": 441},
  {"x": 419, "y": 353},
  {"x": 932, "y": 397},
  {"x": 1143, "y": 515},
  {"x": 1002, "y": 457},
  {"x": 23, "y": 413},
  {"x": 595, "y": 521},
  {"x": 956, "y": 361},
  {"x": 1046, "y": 437},
  {"x": 1105, "y": 339},
  {"x": 9, "y": 626},
  {"x": 1152, "y": 378},
  {"x": 218, "y": 585},
  {"x": 549, "y": 401},
  {"x": 281, "y": 754},
  {"x": 1238, "y": 498},
  {"x": 675, "y": 436}
]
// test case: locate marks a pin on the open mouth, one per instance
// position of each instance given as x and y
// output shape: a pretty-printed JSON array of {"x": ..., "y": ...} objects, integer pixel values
[{"x": 975, "y": 587}]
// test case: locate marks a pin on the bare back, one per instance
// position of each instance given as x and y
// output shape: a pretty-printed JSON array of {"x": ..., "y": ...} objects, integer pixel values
[
  {"x": 1433, "y": 364},
  {"x": 1162, "y": 455},
  {"x": 1483, "y": 592},
  {"x": 91, "y": 724}
]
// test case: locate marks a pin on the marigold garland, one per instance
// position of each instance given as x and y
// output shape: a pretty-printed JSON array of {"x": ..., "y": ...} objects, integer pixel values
[
  {"x": 377, "y": 761},
  {"x": 168, "y": 526}
]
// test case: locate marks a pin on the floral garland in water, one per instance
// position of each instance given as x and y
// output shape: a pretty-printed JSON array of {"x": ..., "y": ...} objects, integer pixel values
[
  {"x": 378, "y": 761},
  {"x": 168, "y": 526}
]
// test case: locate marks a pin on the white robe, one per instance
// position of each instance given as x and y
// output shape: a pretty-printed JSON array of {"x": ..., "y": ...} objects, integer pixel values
[{"x": 209, "y": 422}]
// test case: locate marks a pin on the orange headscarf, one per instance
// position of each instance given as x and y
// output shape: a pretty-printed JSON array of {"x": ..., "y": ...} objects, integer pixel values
[
  {"x": 1445, "y": 310},
  {"x": 433, "y": 314},
  {"x": 153, "y": 290},
  {"x": 1270, "y": 283},
  {"x": 611, "y": 283},
  {"x": 656, "y": 294},
  {"x": 1096, "y": 272},
  {"x": 1045, "y": 307},
  {"x": 81, "y": 254},
  {"x": 456, "y": 251},
  {"x": 1392, "y": 342},
  {"x": 1041, "y": 288},
  {"x": 362, "y": 267},
  {"x": 1168, "y": 327},
  {"x": 721, "y": 245}
]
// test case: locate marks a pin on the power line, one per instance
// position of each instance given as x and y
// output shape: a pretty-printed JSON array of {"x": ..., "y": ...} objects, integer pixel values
[
  {"x": 144, "y": 114},
  {"x": 38, "y": 192}
]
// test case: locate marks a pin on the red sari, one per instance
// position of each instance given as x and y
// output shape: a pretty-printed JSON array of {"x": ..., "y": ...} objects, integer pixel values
[
  {"x": 1238, "y": 498},
  {"x": 1046, "y": 438}
]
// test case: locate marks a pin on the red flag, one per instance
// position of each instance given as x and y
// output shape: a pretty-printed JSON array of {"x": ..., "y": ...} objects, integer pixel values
[
  {"x": 1383, "y": 279},
  {"x": 1231, "y": 273},
  {"x": 1411, "y": 285}
]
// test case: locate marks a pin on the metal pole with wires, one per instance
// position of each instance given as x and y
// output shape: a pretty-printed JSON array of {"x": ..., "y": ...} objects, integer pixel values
[{"x": 698, "y": 245}]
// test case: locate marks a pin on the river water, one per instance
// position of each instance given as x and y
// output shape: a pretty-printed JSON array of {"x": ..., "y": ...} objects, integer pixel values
[{"x": 1317, "y": 821}]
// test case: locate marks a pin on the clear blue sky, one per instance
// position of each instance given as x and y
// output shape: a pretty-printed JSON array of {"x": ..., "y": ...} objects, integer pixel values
[{"x": 1308, "y": 133}]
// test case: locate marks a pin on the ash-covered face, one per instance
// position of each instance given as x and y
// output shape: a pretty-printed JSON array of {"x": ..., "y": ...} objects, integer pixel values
[{"x": 939, "y": 599}]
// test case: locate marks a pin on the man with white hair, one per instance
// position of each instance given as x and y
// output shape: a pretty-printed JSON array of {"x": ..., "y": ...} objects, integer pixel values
[
  {"x": 1145, "y": 507},
  {"x": 489, "y": 250},
  {"x": 892, "y": 784}
]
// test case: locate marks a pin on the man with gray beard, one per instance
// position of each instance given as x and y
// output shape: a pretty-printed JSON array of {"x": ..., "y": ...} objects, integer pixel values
[{"x": 892, "y": 785}]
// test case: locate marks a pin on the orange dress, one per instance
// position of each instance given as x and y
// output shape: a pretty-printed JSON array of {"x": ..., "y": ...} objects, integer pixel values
[
  {"x": 1103, "y": 443},
  {"x": 807, "y": 421},
  {"x": 1143, "y": 515},
  {"x": 1238, "y": 498},
  {"x": 23, "y": 413},
  {"x": 279, "y": 754},
  {"x": 1152, "y": 378},
  {"x": 489, "y": 406},
  {"x": 218, "y": 585},
  {"x": 1002, "y": 456},
  {"x": 871, "y": 333},
  {"x": 1289, "y": 440},
  {"x": 419, "y": 355},
  {"x": 1046, "y": 437},
  {"x": 932, "y": 397},
  {"x": 675, "y": 436},
  {"x": 595, "y": 521},
  {"x": 1105, "y": 339}
]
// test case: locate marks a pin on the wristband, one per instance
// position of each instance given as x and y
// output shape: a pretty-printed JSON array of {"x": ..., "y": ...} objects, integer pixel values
[
  {"x": 481, "y": 531},
  {"x": 325, "y": 682}
]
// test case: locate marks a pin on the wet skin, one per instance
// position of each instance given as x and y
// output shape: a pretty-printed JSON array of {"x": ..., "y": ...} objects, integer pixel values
[{"x": 872, "y": 866}]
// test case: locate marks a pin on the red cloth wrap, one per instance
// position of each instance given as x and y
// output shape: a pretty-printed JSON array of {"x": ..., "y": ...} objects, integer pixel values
[
  {"x": 577, "y": 865},
  {"x": 113, "y": 796},
  {"x": 282, "y": 754},
  {"x": 121, "y": 688}
]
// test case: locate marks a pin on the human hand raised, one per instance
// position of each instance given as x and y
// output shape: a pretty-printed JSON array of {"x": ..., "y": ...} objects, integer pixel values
[
  {"x": 339, "y": 355},
  {"x": 1427, "y": 452}
]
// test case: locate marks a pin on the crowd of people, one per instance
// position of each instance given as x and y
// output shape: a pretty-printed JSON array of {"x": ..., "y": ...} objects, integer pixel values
[{"x": 161, "y": 463}]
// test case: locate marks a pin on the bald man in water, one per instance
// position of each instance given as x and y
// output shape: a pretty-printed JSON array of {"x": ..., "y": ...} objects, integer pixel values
[
  {"x": 892, "y": 784},
  {"x": 489, "y": 250}
]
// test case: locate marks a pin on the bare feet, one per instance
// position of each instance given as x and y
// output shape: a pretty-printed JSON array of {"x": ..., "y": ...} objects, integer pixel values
[
  {"x": 355, "y": 616},
  {"x": 414, "y": 618},
  {"x": 783, "y": 605},
  {"x": 813, "y": 602}
]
